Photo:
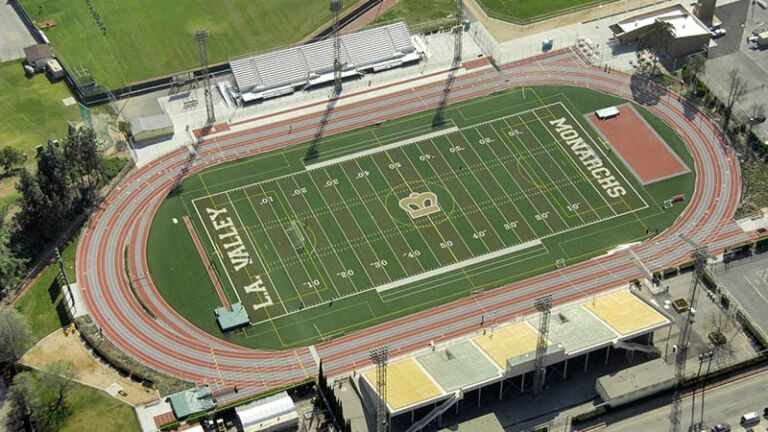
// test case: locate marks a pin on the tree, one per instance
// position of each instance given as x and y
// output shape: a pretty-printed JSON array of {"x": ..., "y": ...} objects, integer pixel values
[
  {"x": 737, "y": 88},
  {"x": 10, "y": 159},
  {"x": 11, "y": 266},
  {"x": 81, "y": 151},
  {"x": 42, "y": 395},
  {"x": 32, "y": 203},
  {"x": 15, "y": 338},
  {"x": 697, "y": 64}
]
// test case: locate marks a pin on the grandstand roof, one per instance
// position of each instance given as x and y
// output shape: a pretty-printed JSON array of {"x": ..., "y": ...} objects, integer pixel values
[
  {"x": 443, "y": 364},
  {"x": 625, "y": 313},
  {"x": 492, "y": 353},
  {"x": 297, "y": 65},
  {"x": 407, "y": 384},
  {"x": 511, "y": 342}
]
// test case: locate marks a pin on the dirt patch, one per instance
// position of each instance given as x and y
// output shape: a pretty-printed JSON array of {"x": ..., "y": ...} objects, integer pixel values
[{"x": 90, "y": 370}]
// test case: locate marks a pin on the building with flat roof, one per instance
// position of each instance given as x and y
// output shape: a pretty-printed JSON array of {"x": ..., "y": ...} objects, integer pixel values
[
  {"x": 273, "y": 413},
  {"x": 689, "y": 33},
  {"x": 283, "y": 71},
  {"x": 439, "y": 376},
  {"x": 635, "y": 383}
]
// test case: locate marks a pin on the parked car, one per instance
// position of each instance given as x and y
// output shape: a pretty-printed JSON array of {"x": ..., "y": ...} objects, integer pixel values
[
  {"x": 718, "y": 32},
  {"x": 750, "y": 418},
  {"x": 721, "y": 427},
  {"x": 757, "y": 119}
]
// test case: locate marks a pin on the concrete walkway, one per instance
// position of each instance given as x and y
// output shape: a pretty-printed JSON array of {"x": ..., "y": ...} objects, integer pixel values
[{"x": 14, "y": 36}]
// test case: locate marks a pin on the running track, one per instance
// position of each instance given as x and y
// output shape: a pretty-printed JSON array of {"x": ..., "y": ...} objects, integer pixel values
[{"x": 172, "y": 345}]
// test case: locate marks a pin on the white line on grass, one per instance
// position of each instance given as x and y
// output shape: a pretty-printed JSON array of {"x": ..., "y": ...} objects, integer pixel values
[
  {"x": 458, "y": 265},
  {"x": 576, "y": 168},
  {"x": 380, "y": 149}
]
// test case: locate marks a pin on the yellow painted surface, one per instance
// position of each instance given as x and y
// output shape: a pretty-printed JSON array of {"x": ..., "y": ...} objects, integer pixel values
[
  {"x": 507, "y": 342},
  {"x": 625, "y": 312},
  {"x": 407, "y": 384}
]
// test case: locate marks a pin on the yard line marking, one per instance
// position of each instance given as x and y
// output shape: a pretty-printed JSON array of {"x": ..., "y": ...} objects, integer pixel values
[
  {"x": 514, "y": 180},
  {"x": 458, "y": 206},
  {"x": 322, "y": 263},
  {"x": 473, "y": 201},
  {"x": 553, "y": 201},
  {"x": 375, "y": 222},
  {"x": 482, "y": 186},
  {"x": 458, "y": 265},
  {"x": 376, "y": 253},
  {"x": 341, "y": 228},
  {"x": 379, "y": 149},
  {"x": 429, "y": 218},
  {"x": 576, "y": 168},
  {"x": 274, "y": 287},
  {"x": 282, "y": 229},
  {"x": 394, "y": 222},
  {"x": 504, "y": 190},
  {"x": 565, "y": 176}
]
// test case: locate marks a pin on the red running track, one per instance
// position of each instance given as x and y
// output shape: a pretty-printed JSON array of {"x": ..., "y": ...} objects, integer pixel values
[{"x": 173, "y": 345}]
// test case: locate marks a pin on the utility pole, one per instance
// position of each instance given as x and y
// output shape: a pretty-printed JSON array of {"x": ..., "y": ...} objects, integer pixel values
[
  {"x": 201, "y": 36},
  {"x": 380, "y": 357},
  {"x": 458, "y": 30},
  {"x": 700, "y": 255},
  {"x": 544, "y": 305},
  {"x": 336, "y": 6}
]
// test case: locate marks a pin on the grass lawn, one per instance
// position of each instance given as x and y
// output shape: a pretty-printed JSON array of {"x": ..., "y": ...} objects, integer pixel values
[
  {"x": 331, "y": 249},
  {"x": 31, "y": 109},
  {"x": 418, "y": 12},
  {"x": 91, "y": 409},
  {"x": 146, "y": 39},
  {"x": 94, "y": 410},
  {"x": 42, "y": 304},
  {"x": 525, "y": 10}
]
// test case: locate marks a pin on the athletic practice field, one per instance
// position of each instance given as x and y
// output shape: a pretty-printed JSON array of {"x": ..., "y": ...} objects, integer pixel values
[
  {"x": 372, "y": 224},
  {"x": 123, "y": 42}
]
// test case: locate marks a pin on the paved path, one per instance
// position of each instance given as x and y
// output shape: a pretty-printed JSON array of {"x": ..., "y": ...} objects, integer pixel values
[
  {"x": 173, "y": 345},
  {"x": 14, "y": 36}
]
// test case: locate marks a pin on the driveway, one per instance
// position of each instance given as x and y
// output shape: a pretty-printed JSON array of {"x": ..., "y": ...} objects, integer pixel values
[{"x": 14, "y": 36}]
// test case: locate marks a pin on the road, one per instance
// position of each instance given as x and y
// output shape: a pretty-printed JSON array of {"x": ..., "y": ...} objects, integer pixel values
[
  {"x": 172, "y": 345},
  {"x": 723, "y": 403}
]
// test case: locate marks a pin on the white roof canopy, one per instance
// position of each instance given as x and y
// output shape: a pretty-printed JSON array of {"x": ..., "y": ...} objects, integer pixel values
[
  {"x": 298, "y": 65},
  {"x": 266, "y": 409}
]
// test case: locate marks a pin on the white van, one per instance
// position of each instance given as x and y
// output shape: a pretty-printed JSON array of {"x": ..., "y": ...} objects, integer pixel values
[{"x": 749, "y": 419}]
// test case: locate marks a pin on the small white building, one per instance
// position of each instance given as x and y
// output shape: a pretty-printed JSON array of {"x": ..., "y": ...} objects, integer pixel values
[{"x": 274, "y": 413}]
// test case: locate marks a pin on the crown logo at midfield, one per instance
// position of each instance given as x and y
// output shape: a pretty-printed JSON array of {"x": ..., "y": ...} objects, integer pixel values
[{"x": 420, "y": 204}]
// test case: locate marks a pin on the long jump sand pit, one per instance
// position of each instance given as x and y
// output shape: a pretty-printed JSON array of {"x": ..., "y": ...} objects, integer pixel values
[{"x": 643, "y": 151}]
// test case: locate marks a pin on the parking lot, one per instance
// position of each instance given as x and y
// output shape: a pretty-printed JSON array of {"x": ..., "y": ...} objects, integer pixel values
[{"x": 746, "y": 282}]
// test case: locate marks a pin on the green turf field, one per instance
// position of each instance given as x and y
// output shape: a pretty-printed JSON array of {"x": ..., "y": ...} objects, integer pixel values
[
  {"x": 145, "y": 39},
  {"x": 527, "y": 10},
  {"x": 387, "y": 220}
]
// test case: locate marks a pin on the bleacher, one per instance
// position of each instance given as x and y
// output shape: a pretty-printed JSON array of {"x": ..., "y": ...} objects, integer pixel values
[{"x": 283, "y": 71}]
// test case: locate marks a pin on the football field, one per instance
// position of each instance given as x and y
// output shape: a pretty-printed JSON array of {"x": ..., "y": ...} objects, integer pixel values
[
  {"x": 398, "y": 213},
  {"x": 358, "y": 228}
]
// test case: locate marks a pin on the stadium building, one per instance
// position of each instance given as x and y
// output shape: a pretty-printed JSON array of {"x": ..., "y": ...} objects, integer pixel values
[
  {"x": 495, "y": 359},
  {"x": 284, "y": 71}
]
